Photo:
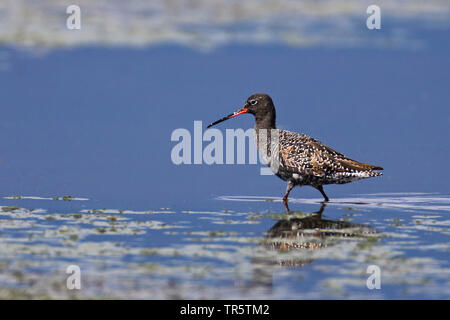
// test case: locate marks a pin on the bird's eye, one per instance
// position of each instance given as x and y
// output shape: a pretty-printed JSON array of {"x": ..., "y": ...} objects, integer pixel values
[{"x": 253, "y": 102}]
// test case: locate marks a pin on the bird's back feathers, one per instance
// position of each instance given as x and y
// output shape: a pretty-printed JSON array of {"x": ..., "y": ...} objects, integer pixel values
[{"x": 302, "y": 155}]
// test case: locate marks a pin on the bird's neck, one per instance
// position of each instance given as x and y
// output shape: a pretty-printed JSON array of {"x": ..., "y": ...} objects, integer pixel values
[
  {"x": 264, "y": 127},
  {"x": 266, "y": 121}
]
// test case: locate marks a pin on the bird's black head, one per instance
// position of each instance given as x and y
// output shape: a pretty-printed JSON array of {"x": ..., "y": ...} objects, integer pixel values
[{"x": 258, "y": 104}]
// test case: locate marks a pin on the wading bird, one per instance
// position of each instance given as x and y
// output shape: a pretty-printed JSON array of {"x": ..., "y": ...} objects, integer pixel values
[{"x": 295, "y": 157}]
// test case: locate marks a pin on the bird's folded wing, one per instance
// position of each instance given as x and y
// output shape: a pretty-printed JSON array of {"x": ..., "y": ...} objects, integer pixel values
[{"x": 301, "y": 153}]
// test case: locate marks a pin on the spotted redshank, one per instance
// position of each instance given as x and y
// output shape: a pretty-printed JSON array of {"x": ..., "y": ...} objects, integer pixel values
[{"x": 295, "y": 157}]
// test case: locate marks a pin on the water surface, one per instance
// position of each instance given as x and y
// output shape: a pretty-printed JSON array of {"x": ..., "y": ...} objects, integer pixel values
[{"x": 87, "y": 178}]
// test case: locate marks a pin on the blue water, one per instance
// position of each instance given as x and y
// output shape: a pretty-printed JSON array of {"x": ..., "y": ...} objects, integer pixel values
[{"x": 96, "y": 122}]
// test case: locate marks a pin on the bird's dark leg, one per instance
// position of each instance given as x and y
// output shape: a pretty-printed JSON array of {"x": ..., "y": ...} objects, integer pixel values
[
  {"x": 320, "y": 188},
  {"x": 322, "y": 208},
  {"x": 289, "y": 187}
]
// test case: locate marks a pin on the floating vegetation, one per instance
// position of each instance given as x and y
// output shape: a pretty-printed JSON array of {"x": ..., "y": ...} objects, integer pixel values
[
  {"x": 11, "y": 208},
  {"x": 63, "y": 198},
  {"x": 122, "y": 211}
]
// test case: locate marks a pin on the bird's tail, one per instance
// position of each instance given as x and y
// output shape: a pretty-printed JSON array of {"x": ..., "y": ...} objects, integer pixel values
[{"x": 359, "y": 166}]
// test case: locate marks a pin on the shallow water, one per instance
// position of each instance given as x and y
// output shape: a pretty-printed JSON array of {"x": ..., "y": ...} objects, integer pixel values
[
  {"x": 87, "y": 179},
  {"x": 227, "y": 253}
]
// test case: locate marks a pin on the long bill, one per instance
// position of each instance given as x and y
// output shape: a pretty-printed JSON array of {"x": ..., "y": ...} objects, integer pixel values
[{"x": 234, "y": 114}]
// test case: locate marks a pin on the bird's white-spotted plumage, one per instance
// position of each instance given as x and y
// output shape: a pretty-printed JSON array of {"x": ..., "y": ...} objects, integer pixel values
[{"x": 306, "y": 161}]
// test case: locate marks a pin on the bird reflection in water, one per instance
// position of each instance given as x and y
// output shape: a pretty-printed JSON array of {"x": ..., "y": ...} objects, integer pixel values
[{"x": 301, "y": 235}]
